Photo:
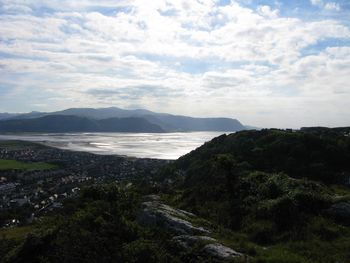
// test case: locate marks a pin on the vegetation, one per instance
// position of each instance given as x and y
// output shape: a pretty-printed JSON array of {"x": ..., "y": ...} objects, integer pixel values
[
  {"x": 264, "y": 193},
  {"x": 18, "y": 145},
  {"x": 16, "y": 165},
  {"x": 98, "y": 226},
  {"x": 320, "y": 155},
  {"x": 272, "y": 186}
]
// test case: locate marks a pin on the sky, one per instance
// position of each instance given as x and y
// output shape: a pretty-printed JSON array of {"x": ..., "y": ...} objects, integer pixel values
[{"x": 268, "y": 63}]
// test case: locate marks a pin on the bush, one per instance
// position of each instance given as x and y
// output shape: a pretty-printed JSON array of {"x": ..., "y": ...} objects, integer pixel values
[{"x": 262, "y": 232}]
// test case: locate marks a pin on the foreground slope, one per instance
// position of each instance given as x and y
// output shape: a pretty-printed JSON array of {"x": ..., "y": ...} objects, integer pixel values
[{"x": 285, "y": 190}]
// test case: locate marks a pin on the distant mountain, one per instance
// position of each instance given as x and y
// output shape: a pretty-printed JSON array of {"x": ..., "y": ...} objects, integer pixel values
[
  {"x": 130, "y": 124},
  {"x": 166, "y": 122},
  {"x": 104, "y": 113},
  {"x": 91, "y": 113},
  {"x": 4, "y": 116},
  {"x": 61, "y": 123},
  {"x": 183, "y": 123}
]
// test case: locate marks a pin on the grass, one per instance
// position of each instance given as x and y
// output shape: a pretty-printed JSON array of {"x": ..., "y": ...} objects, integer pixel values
[
  {"x": 21, "y": 144},
  {"x": 11, "y": 238},
  {"x": 15, "y": 233},
  {"x": 16, "y": 165},
  {"x": 341, "y": 193}
]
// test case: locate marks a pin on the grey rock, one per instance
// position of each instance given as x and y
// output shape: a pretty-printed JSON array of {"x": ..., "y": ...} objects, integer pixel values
[
  {"x": 187, "y": 241},
  {"x": 155, "y": 213},
  {"x": 221, "y": 251},
  {"x": 176, "y": 212}
]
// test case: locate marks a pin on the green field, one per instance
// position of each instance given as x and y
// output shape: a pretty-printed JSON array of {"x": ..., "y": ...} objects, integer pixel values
[
  {"x": 12, "y": 164},
  {"x": 20, "y": 145},
  {"x": 16, "y": 233}
]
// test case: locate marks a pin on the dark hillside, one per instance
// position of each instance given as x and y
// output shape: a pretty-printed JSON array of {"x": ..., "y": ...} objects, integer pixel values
[
  {"x": 287, "y": 189},
  {"x": 299, "y": 154},
  {"x": 66, "y": 123}
]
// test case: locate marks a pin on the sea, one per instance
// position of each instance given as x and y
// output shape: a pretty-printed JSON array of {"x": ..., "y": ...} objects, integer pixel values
[{"x": 168, "y": 146}]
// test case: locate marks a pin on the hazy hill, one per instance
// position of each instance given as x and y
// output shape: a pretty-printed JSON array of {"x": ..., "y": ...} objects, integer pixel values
[
  {"x": 4, "y": 116},
  {"x": 167, "y": 122},
  {"x": 129, "y": 124},
  {"x": 183, "y": 123},
  {"x": 61, "y": 123},
  {"x": 103, "y": 113}
]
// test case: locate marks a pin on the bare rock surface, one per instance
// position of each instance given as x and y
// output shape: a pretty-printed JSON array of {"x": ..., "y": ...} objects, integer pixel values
[
  {"x": 221, "y": 251},
  {"x": 157, "y": 214},
  {"x": 187, "y": 241}
]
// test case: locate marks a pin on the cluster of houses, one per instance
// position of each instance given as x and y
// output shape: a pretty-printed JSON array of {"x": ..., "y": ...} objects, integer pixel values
[{"x": 40, "y": 191}]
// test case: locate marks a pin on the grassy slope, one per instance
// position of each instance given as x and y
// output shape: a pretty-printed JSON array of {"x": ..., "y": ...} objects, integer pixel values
[
  {"x": 15, "y": 233},
  {"x": 29, "y": 166},
  {"x": 12, "y": 164},
  {"x": 17, "y": 144}
]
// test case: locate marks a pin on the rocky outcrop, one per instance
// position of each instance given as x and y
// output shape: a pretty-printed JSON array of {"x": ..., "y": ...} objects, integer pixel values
[
  {"x": 178, "y": 222},
  {"x": 155, "y": 213},
  {"x": 187, "y": 241},
  {"x": 220, "y": 251}
]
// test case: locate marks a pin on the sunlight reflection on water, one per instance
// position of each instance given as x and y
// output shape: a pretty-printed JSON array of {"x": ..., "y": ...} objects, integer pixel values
[{"x": 142, "y": 145}]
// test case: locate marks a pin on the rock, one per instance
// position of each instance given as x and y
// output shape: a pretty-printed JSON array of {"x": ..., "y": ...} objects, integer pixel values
[
  {"x": 221, "y": 251},
  {"x": 187, "y": 241},
  {"x": 155, "y": 213},
  {"x": 176, "y": 212}
]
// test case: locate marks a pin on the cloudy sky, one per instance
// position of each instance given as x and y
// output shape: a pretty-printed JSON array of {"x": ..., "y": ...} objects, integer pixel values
[{"x": 267, "y": 63}]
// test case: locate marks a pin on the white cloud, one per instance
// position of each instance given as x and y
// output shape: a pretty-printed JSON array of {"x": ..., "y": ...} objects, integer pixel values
[
  {"x": 332, "y": 6},
  {"x": 213, "y": 60},
  {"x": 317, "y": 2},
  {"x": 266, "y": 11},
  {"x": 15, "y": 8}
]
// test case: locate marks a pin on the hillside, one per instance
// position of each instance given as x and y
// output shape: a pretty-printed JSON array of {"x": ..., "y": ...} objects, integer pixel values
[
  {"x": 269, "y": 196},
  {"x": 4, "y": 116},
  {"x": 168, "y": 122},
  {"x": 287, "y": 190},
  {"x": 315, "y": 153},
  {"x": 61, "y": 123},
  {"x": 183, "y": 123}
]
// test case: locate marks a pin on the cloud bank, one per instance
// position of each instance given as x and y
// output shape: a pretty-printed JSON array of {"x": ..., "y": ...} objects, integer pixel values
[{"x": 272, "y": 65}]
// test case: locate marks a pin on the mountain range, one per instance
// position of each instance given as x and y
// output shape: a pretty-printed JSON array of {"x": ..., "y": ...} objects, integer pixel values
[{"x": 111, "y": 119}]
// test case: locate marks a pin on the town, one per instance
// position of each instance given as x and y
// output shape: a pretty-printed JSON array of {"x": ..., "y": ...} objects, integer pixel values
[{"x": 26, "y": 194}]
